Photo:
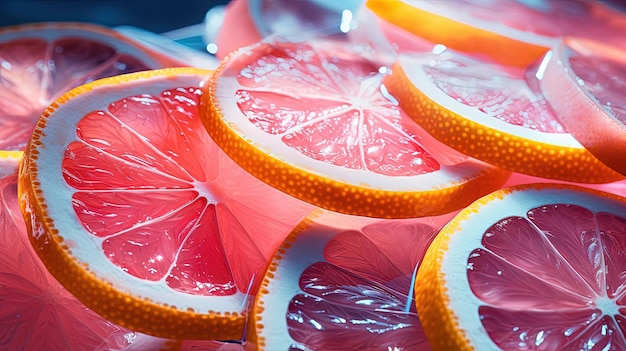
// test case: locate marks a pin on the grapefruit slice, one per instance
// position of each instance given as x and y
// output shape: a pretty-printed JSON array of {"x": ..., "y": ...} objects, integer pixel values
[
  {"x": 313, "y": 120},
  {"x": 344, "y": 284},
  {"x": 531, "y": 267},
  {"x": 509, "y": 32},
  {"x": 493, "y": 113},
  {"x": 39, "y": 62},
  {"x": 139, "y": 214},
  {"x": 584, "y": 83}
]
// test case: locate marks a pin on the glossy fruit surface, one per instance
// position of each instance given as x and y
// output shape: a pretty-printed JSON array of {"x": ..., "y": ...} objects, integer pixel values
[
  {"x": 40, "y": 62},
  {"x": 315, "y": 121},
  {"x": 347, "y": 285},
  {"x": 494, "y": 113},
  {"x": 508, "y": 32},
  {"x": 137, "y": 212},
  {"x": 584, "y": 84},
  {"x": 535, "y": 266}
]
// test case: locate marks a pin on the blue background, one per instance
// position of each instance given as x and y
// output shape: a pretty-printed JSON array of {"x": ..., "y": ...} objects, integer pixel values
[{"x": 157, "y": 16}]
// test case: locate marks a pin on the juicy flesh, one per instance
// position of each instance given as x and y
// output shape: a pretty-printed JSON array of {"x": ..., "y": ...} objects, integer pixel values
[
  {"x": 358, "y": 298},
  {"x": 494, "y": 92},
  {"x": 561, "y": 265},
  {"x": 331, "y": 107},
  {"x": 34, "y": 72},
  {"x": 167, "y": 204}
]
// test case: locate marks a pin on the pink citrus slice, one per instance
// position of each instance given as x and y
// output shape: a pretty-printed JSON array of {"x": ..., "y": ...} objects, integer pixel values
[
  {"x": 493, "y": 113},
  {"x": 335, "y": 285},
  {"x": 530, "y": 267},
  {"x": 40, "y": 62},
  {"x": 136, "y": 211},
  {"x": 315, "y": 121},
  {"x": 509, "y": 32},
  {"x": 584, "y": 83}
]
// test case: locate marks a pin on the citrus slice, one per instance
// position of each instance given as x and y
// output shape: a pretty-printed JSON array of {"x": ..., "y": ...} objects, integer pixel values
[
  {"x": 335, "y": 285},
  {"x": 583, "y": 82},
  {"x": 509, "y": 32},
  {"x": 139, "y": 214},
  {"x": 531, "y": 267},
  {"x": 313, "y": 120},
  {"x": 39, "y": 62},
  {"x": 493, "y": 113}
]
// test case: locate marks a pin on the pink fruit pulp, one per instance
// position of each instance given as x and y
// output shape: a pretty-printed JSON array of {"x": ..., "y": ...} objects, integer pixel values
[
  {"x": 497, "y": 91},
  {"x": 34, "y": 72},
  {"x": 37, "y": 312},
  {"x": 330, "y": 105},
  {"x": 200, "y": 228},
  {"x": 604, "y": 79},
  {"x": 561, "y": 265},
  {"x": 358, "y": 298}
]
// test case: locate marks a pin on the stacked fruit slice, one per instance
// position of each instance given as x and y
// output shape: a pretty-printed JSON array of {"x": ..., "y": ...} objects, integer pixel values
[
  {"x": 158, "y": 199},
  {"x": 316, "y": 121},
  {"x": 40, "y": 62},
  {"x": 494, "y": 113},
  {"x": 585, "y": 85},
  {"x": 344, "y": 284},
  {"x": 136, "y": 211},
  {"x": 537, "y": 266}
]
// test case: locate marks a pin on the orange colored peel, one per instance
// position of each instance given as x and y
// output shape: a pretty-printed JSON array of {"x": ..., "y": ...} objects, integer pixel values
[
  {"x": 432, "y": 302},
  {"x": 457, "y": 35}
]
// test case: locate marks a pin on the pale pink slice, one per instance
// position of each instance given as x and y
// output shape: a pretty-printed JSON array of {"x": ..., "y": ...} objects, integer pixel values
[
  {"x": 40, "y": 62},
  {"x": 354, "y": 290},
  {"x": 149, "y": 185},
  {"x": 38, "y": 313},
  {"x": 583, "y": 81},
  {"x": 552, "y": 280}
]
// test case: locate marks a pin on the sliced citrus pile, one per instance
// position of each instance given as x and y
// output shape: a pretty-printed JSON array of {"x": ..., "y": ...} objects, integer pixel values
[
  {"x": 313, "y": 120},
  {"x": 139, "y": 214},
  {"x": 344, "y": 286},
  {"x": 510, "y": 32},
  {"x": 494, "y": 113},
  {"x": 584, "y": 83},
  {"x": 40, "y": 62},
  {"x": 532, "y": 267}
]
